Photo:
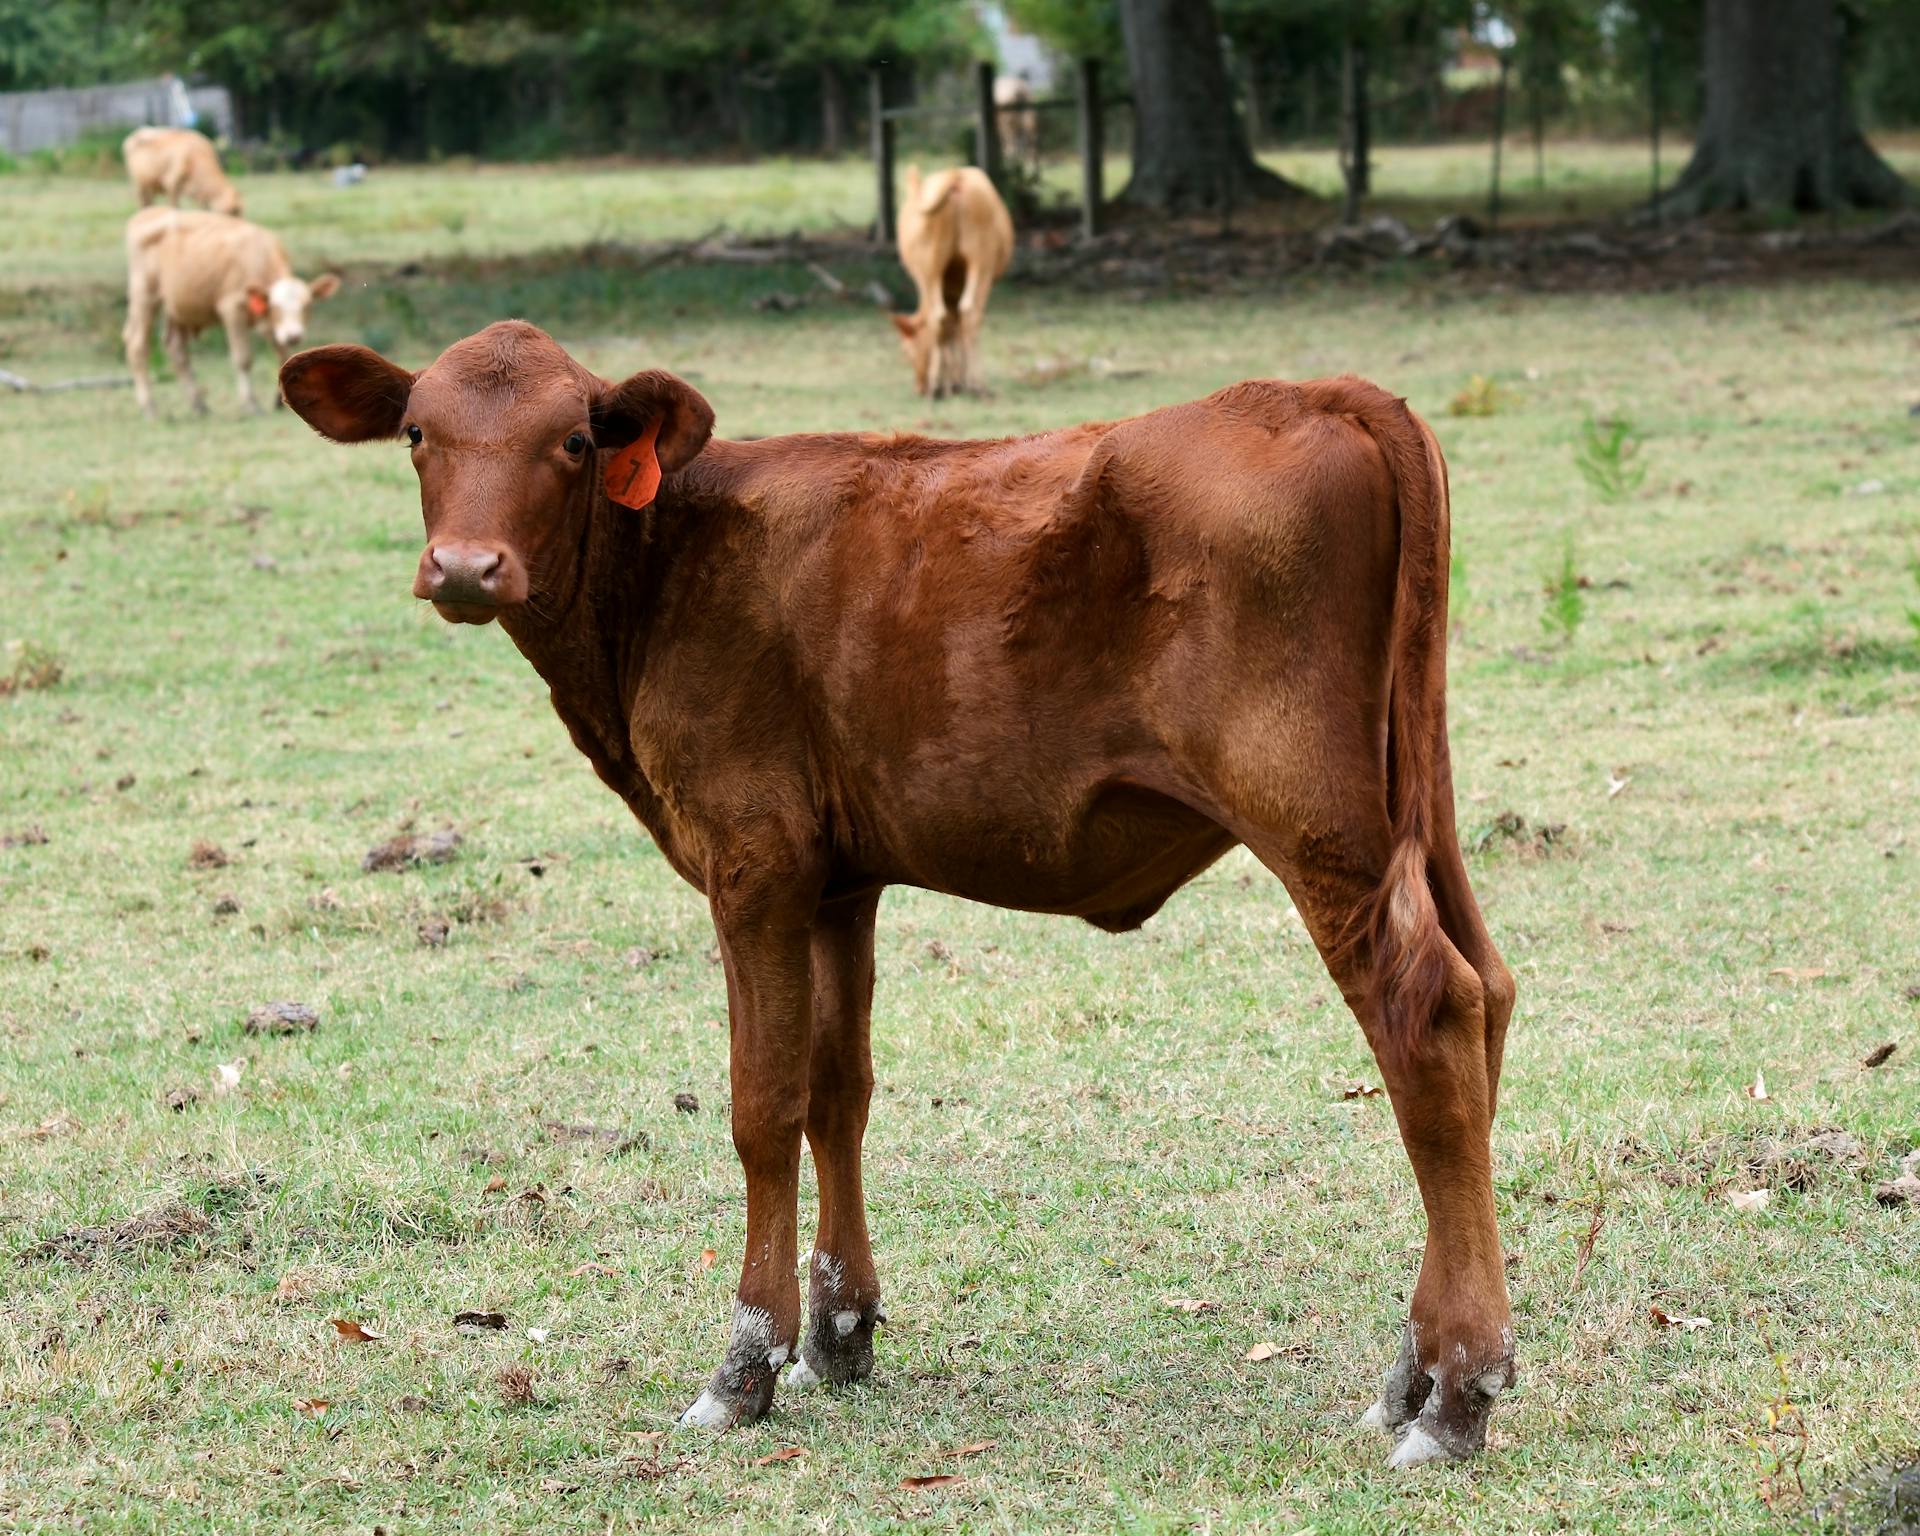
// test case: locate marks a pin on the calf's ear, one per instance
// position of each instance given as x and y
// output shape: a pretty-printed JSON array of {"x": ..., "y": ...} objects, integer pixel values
[
  {"x": 671, "y": 409},
  {"x": 325, "y": 286},
  {"x": 350, "y": 394}
]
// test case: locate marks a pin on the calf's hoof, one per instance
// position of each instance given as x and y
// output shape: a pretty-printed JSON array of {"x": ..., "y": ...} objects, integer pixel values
[
  {"x": 838, "y": 1348},
  {"x": 1438, "y": 1411},
  {"x": 741, "y": 1390}
]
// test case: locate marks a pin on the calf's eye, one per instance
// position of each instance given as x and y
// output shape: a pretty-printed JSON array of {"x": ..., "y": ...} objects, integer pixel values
[
  {"x": 413, "y": 435},
  {"x": 576, "y": 442}
]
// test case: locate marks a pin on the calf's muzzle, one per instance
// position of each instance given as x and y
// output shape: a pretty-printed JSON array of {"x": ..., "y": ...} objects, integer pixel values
[{"x": 469, "y": 583}]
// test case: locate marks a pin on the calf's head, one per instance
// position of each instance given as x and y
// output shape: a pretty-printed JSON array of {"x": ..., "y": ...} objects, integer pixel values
[
  {"x": 281, "y": 310},
  {"x": 516, "y": 446},
  {"x": 226, "y": 199}
]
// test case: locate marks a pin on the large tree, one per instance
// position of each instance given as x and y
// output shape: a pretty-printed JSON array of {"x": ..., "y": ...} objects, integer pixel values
[
  {"x": 1190, "y": 151},
  {"x": 1776, "y": 130}
]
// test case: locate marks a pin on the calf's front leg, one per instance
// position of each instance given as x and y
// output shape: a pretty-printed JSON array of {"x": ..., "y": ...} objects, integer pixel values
[
  {"x": 765, "y": 943},
  {"x": 240, "y": 351}
]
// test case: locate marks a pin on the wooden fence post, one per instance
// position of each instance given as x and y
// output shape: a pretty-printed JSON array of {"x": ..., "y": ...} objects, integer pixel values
[
  {"x": 881, "y": 131},
  {"x": 1356, "y": 133},
  {"x": 1499, "y": 133},
  {"x": 1654, "y": 104},
  {"x": 986, "y": 124},
  {"x": 1093, "y": 149}
]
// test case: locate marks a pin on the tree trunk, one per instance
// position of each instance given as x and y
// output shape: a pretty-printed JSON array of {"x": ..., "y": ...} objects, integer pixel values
[
  {"x": 1776, "y": 131},
  {"x": 1190, "y": 151}
]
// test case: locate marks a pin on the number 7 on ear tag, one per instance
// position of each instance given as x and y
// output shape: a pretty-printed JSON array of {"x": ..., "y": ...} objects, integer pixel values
[{"x": 633, "y": 474}]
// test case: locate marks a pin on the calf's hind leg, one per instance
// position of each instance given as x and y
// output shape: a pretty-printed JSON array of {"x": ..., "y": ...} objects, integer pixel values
[
  {"x": 843, "y": 1300},
  {"x": 1456, "y": 1353}
]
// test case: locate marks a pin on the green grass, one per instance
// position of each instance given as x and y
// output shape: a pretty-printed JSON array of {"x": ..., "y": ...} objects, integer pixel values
[{"x": 1071, "y": 1127}]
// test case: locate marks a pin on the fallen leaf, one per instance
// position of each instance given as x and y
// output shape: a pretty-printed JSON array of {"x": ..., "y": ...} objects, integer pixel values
[
  {"x": 932, "y": 1480},
  {"x": 1360, "y": 1091},
  {"x": 1617, "y": 781},
  {"x": 1263, "y": 1351},
  {"x": 1191, "y": 1304},
  {"x": 1798, "y": 972},
  {"x": 61, "y": 1124},
  {"x": 1665, "y": 1319},
  {"x": 591, "y": 1268},
  {"x": 786, "y": 1453},
  {"x": 496, "y": 1184},
  {"x": 177, "y": 1099},
  {"x": 494, "y": 1320},
  {"x": 1757, "y": 1089},
  {"x": 1749, "y": 1199},
  {"x": 311, "y": 1407},
  {"x": 555, "y": 1485},
  {"x": 708, "y": 1258},
  {"x": 1880, "y": 1055},
  {"x": 539, "y": 1335},
  {"x": 353, "y": 1333},
  {"x": 226, "y": 1076},
  {"x": 974, "y": 1449},
  {"x": 432, "y": 934}
]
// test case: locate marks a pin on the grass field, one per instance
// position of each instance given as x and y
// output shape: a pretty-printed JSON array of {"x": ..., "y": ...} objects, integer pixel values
[{"x": 1693, "y": 826}]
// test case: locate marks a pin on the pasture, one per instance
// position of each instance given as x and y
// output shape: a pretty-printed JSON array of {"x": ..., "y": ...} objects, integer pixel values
[{"x": 1690, "y": 813}]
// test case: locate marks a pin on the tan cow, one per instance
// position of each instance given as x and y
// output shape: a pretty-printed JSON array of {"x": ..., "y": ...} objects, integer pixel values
[
  {"x": 955, "y": 239},
  {"x": 199, "y": 268},
  {"x": 170, "y": 162}
]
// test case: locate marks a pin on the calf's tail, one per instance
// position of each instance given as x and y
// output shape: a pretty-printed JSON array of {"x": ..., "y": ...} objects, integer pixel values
[{"x": 1401, "y": 926}]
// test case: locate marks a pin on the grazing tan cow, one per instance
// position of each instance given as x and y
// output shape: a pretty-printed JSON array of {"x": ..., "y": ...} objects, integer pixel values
[
  {"x": 197, "y": 269},
  {"x": 955, "y": 239},
  {"x": 177, "y": 162},
  {"x": 1061, "y": 673}
]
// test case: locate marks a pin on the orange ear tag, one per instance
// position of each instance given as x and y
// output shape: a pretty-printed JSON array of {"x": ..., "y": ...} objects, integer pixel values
[
  {"x": 257, "y": 305},
  {"x": 633, "y": 474}
]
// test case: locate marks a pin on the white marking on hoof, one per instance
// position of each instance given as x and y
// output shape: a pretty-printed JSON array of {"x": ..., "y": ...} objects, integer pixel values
[
  {"x": 845, "y": 1322},
  {"x": 1493, "y": 1382},
  {"x": 802, "y": 1375},
  {"x": 1416, "y": 1447},
  {"x": 707, "y": 1412},
  {"x": 777, "y": 1356},
  {"x": 1376, "y": 1418}
]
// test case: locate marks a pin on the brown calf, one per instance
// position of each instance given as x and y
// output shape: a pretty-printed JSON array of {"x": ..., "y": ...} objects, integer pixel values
[{"x": 1061, "y": 673}]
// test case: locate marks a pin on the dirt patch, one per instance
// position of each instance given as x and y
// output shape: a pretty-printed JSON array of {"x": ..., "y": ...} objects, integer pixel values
[
  {"x": 616, "y": 1143},
  {"x": 282, "y": 1019},
  {"x": 408, "y": 849},
  {"x": 206, "y": 855},
  {"x": 172, "y": 1225},
  {"x": 1510, "y": 832},
  {"x": 1882, "y": 1500},
  {"x": 1787, "y": 1159}
]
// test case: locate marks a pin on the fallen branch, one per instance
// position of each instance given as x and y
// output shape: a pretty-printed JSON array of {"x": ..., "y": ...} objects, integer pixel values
[{"x": 24, "y": 386}]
